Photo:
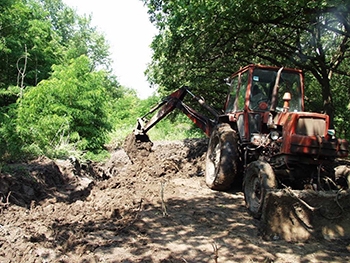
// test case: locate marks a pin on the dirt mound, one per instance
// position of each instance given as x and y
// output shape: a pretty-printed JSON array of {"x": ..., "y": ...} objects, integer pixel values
[
  {"x": 23, "y": 183},
  {"x": 65, "y": 180},
  {"x": 157, "y": 209}
]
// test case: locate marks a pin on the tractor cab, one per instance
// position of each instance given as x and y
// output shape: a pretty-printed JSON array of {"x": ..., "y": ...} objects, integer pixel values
[
  {"x": 257, "y": 94},
  {"x": 264, "y": 88}
]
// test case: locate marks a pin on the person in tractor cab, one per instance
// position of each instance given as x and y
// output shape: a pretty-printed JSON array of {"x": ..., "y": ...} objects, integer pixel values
[{"x": 258, "y": 100}]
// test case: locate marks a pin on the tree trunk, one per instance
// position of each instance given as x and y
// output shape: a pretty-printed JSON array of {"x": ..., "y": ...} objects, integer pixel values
[{"x": 327, "y": 100}]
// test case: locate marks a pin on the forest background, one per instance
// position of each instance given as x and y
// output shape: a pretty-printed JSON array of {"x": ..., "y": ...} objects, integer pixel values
[{"x": 59, "y": 97}]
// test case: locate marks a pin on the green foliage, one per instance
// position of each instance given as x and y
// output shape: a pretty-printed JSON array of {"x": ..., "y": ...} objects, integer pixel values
[
  {"x": 45, "y": 32},
  {"x": 9, "y": 95},
  {"x": 49, "y": 55},
  {"x": 25, "y": 32},
  {"x": 46, "y": 42},
  {"x": 202, "y": 42},
  {"x": 10, "y": 143},
  {"x": 175, "y": 126},
  {"x": 342, "y": 107},
  {"x": 313, "y": 100},
  {"x": 69, "y": 107},
  {"x": 126, "y": 110}
]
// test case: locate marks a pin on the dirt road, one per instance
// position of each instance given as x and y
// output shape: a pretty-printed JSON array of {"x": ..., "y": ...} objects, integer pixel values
[{"x": 158, "y": 210}]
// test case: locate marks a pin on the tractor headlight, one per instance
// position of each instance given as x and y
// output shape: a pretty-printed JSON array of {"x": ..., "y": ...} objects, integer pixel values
[
  {"x": 256, "y": 139},
  {"x": 274, "y": 135}
]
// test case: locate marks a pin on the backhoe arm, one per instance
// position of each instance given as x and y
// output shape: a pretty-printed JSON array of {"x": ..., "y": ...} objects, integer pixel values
[{"x": 171, "y": 102}]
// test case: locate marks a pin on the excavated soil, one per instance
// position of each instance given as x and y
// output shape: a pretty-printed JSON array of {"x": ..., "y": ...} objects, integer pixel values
[{"x": 156, "y": 209}]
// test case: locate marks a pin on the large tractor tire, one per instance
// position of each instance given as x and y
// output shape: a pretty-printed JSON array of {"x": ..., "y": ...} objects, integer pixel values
[
  {"x": 258, "y": 178},
  {"x": 221, "y": 158}
]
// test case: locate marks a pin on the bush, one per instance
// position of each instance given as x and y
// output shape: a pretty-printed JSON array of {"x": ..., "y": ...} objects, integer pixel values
[{"x": 71, "y": 107}]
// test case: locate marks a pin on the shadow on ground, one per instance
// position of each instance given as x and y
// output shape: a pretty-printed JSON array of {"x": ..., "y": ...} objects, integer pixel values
[{"x": 197, "y": 230}]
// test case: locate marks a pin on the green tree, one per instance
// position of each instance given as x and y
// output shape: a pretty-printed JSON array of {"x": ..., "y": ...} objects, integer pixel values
[
  {"x": 76, "y": 34},
  {"x": 70, "y": 107},
  {"x": 26, "y": 34},
  {"x": 202, "y": 42},
  {"x": 36, "y": 34}
]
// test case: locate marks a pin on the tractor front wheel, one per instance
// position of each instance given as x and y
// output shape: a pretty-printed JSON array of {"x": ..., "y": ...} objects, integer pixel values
[
  {"x": 258, "y": 178},
  {"x": 221, "y": 158}
]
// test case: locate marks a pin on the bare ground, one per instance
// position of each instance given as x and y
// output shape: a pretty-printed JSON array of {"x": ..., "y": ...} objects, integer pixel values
[{"x": 156, "y": 210}]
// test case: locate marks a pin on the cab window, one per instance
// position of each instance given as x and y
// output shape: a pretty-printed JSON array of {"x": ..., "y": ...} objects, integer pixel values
[
  {"x": 242, "y": 91},
  {"x": 238, "y": 87}
]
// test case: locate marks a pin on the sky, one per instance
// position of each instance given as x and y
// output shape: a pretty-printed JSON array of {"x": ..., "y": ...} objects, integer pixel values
[{"x": 129, "y": 33}]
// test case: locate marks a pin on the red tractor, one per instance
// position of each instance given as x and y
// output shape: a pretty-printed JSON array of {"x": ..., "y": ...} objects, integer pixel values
[{"x": 263, "y": 136}]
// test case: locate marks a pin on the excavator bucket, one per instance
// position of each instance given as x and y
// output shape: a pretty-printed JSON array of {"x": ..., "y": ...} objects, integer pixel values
[{"x": 137, "y": 146}]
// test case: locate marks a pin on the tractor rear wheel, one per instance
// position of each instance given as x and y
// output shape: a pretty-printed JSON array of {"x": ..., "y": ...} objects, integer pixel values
[
  {"x": 258, "y": 178},
  {"x": 221, "y": 158}
]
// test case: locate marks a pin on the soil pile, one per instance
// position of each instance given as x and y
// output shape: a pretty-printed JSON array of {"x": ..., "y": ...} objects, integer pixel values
[{"x": 156, "y": 209}]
